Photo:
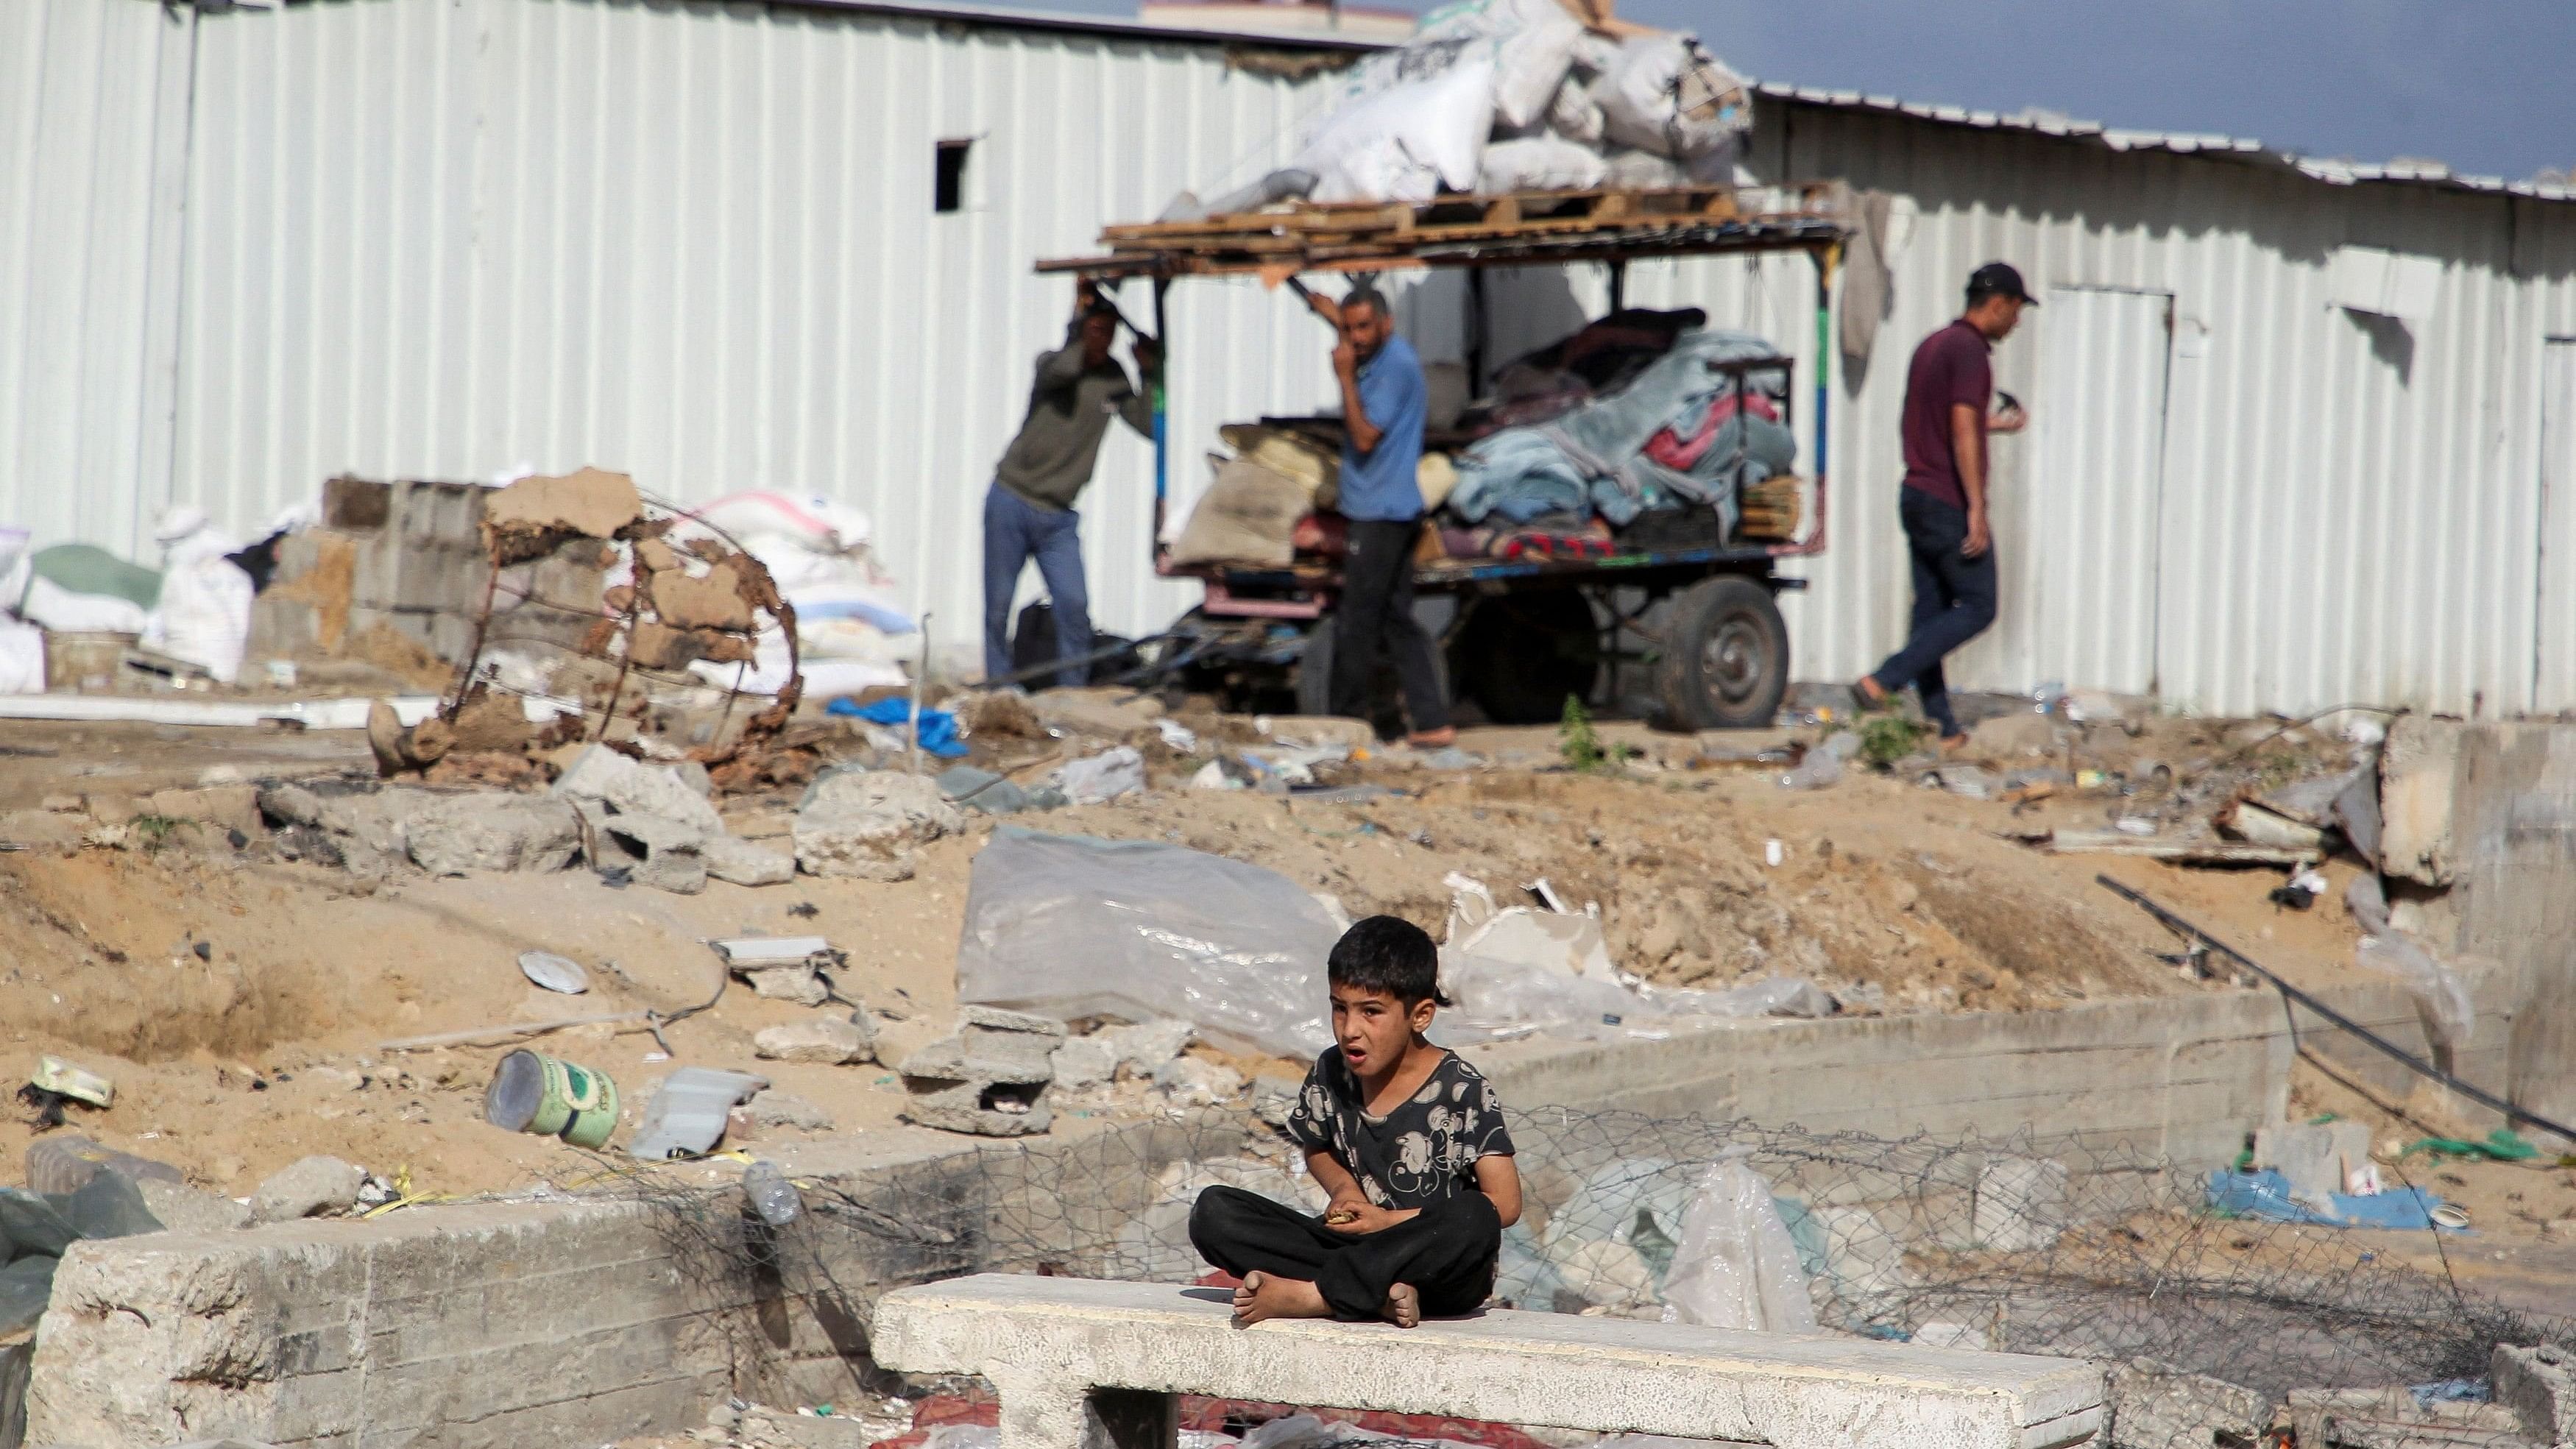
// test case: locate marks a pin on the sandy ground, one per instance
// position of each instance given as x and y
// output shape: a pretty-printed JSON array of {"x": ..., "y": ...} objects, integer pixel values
[{"x": 271, "y": 1043}]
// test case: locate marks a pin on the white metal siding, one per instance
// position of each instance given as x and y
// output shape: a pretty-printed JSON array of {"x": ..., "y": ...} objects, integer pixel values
[{"x": 79, "y": 81}]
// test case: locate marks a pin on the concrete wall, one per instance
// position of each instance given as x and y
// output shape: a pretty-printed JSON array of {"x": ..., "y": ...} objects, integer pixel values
[
  {"x": 563, "y": 1322},
  {"x": 2486, "y": 813}
]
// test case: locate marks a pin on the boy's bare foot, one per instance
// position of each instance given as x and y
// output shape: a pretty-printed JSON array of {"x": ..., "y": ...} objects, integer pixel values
[
  {"x": 1265, "y": 1295},
  {"x": 1872, "y": 694},
  {"x": 1403, "y": 1306},
  {"x": 1433, "y": 739}
]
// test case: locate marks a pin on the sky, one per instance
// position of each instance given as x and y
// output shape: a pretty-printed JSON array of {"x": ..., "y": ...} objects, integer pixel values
[{"x": 2480, "y": 85}]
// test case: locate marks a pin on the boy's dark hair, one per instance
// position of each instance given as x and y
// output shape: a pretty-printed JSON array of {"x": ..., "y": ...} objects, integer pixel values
[{"x": 1389, "y": 954}]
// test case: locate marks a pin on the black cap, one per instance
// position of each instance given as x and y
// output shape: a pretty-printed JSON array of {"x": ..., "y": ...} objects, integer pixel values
[{"x": 1998, "y": 279}]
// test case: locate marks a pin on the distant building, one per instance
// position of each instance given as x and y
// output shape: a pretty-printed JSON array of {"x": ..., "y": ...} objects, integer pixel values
[{"x": 1302, "y": 18}]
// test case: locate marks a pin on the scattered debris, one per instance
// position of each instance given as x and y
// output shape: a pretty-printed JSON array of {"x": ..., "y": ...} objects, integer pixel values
[
  {"x": 1103, "y": 777},
  {"x": 988, "y": 1077},
  {"x": 833, "y": 1041},
  {"x": 865, "y": 824},
  {"x": 554, "y": 973},
  {"x": 309, "y": 1186},
  {"x": 686, "y": 1117},
  {"x": 451, "y": 835},
  {"x": 63, "y": 1079},
  {"x": 551, "y": 1097}
]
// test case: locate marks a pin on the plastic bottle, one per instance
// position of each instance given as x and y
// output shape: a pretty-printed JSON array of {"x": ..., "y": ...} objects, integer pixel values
[{"x": 772, "y": 1195}]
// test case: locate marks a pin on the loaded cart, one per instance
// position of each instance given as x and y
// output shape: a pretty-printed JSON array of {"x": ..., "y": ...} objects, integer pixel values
[{"x": 1537, "y": 619}]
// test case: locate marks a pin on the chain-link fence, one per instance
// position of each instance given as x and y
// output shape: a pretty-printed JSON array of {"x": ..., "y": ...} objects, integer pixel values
[{"x": 1997, "y": 1243}]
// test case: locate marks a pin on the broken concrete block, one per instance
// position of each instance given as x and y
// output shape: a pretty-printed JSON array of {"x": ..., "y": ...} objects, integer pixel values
[
  {"x": 230, "y": 807},
  {"x": 496, "y": 832},
  {"x": 312, "y": 1185},
  {"x": 1195, "y": 1082},
  {"x": 2539, "y": 1385},
  {"x": 864, "y": 824},
  {"x": 657, "y": 851},
  {"x": 774, "y": 1109},
  {"x": 2156, "y": 1405},
  {"x": 590, "y": 503},
  {"x": 687, "y": 1113},
  {"x": 989, "y": 1076},
  {"x": 1085, "y": 1061},
  {"x": 184, "y": 1209},
  {"x": 739, "y": 862},
  {"x": 2418, "y": 778},
  {"x": 40, "y": 828},
  {"x": 1274, "y": 1097},
  {"x": 1144, "y": 1047},
  {"x": 796, "y": 983},
  {"x": 711, "y": 601},
  {"x": 63, "y": 1165},
  {"x": 832, "y": 1041},
  {"x": 602, "y": 774}
]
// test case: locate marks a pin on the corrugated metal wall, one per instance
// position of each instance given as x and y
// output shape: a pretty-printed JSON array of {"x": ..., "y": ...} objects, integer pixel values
[
  {"x": 2349, "y": 506},
  {"x": 82, "y": 99},
  {"x": 447, "y": 237}
]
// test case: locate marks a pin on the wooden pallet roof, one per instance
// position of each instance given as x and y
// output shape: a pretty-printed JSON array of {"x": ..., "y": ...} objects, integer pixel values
[{"x": 1518, "y": 229}]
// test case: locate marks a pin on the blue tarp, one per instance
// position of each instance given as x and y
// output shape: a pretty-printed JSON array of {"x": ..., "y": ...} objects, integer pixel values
[
  {"x": 2266, "y": 1194},
  {"x": 938, "y": 727}
]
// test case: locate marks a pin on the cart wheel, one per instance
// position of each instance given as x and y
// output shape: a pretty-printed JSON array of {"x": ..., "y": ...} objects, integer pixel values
[
  {"x": 1521, "y": 655},
  {"x": 1726, "y": 660}
]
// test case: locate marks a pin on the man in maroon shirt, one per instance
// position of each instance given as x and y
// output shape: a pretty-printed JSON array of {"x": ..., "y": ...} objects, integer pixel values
[{"x": 1949, "y": 391}]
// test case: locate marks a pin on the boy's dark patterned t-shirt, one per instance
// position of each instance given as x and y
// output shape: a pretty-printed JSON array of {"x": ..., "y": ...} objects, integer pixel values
[{"x": 1422, "y": 1152}]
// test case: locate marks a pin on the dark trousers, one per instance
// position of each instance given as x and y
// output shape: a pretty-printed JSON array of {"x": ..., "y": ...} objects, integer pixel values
[
  {"x": 1015, "y": 531},
  {"x": 1374, "y": 621},
  {"x": 1447, "y": 1253},
  {"x": 1954, "y": 601}
]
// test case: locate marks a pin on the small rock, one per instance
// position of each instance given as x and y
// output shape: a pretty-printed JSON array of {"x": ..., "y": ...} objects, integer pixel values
[
  {"x": 66, "y": 804},
  {"x": 496, "y": 832},
  {"x": 695, "y": 776},
  {"x": 1085, "y": 1061},
  {"x": 2560, "y": 1230},
  {"x": 1144, "y": 1047},
  {"x": 2015, "y": 735},
  {"x": 774, "y": 1109},
  {"x": 184, "y": 1209},
  {"x": 231, "y": 807},
  {"x": 1196, "y": 1082},
  {"x": 1108, "y": 712},
  {"x": 865, "y": 823},
  {"x": 65, "y": 1164},
  {"x": 742, "y": 863},
  {"x": 724, "y": 1416},
  {"x": 796, "y": 983},
  {"x": 1319, "y": 730},
  {"x": 1000, "y": 713},
  {"x": 831, "y": 1041},
  {"x": 655, "y": 850},
  {"x": 313, "y": 1185},
  {"x": 114, "y": 809}
]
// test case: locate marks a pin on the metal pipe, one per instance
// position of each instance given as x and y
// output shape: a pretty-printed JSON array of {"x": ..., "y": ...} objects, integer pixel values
[{"x": 1162, "y": 423}]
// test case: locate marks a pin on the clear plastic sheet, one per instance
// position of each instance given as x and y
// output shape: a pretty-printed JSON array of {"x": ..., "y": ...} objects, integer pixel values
[{"x": 1069, "y": 925}]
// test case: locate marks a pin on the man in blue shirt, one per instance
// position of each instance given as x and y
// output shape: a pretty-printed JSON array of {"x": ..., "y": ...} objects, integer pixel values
[{"x": 1384, "y": 402}]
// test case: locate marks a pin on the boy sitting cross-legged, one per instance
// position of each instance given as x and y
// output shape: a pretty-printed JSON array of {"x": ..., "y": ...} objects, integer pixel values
[{"x": 1406, "y": 1137}]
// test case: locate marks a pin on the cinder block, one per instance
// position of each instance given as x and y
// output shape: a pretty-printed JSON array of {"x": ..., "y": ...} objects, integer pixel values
[{"x": 357, "y": 504}]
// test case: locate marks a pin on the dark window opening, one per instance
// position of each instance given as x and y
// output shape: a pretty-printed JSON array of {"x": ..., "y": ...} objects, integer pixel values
[{"x": 948, "y": 177}]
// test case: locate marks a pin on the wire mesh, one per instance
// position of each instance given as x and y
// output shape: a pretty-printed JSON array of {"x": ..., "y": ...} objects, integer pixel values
[{"x": 2004, "y": 1243}]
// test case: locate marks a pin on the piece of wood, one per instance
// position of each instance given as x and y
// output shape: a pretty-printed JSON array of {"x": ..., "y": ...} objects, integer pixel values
[
  {"x": 505, "y": 1029},
  {"x": 2184, "y": 852}
]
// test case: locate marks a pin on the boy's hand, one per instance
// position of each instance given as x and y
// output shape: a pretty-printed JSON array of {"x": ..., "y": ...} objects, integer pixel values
[{"x": 1359, "y": 1217}]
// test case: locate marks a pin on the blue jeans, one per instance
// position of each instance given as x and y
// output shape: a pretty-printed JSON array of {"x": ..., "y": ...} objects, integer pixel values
[
  {"x": 1016, "y": 530},
  {"x": 1954, "y": 601}
]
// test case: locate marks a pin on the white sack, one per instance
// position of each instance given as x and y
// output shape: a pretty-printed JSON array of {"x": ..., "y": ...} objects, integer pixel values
[
  {"x": 1407, "y": 142},
  {"x": 1666, "y": 95},
  {"x": 1542, "y": 163},
  {"x": 1529, "y": 43},
  {"x": 204, "y": 617},
  {"x": 22, "y": 657},
  {"x": 1575, "y": 115}
]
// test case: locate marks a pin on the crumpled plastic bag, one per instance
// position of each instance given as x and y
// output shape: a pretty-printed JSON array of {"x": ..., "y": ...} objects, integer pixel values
[
  {"x": 1069, "y": 925},
  {"x": 1666, "y": 95},
  {"x": 1735, "y": 1265},
  {"x": 1103, "y": 777},
  {"x": 1823, "y": 764},
  {"x": 204, "y": 615}
]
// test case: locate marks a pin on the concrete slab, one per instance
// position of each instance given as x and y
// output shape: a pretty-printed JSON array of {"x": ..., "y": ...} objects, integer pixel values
[{"x": 1047, "y": 1343}]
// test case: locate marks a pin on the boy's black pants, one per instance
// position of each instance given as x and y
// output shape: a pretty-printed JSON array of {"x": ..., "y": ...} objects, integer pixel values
[{"x": 1447, "y": 1252}]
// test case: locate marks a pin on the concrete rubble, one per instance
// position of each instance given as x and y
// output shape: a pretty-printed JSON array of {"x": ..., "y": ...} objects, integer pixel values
[
  {"x": 2537, "y": 1384},
  {"x": 309, "y": 1186},
  {"x": 2157, "y": 1406},
  {"x": 864, "y": 824},
  {"x": 833, "y": 1041},
  {"x": 494, "y": 832},
  {"x": 988, "y": 1077}
]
